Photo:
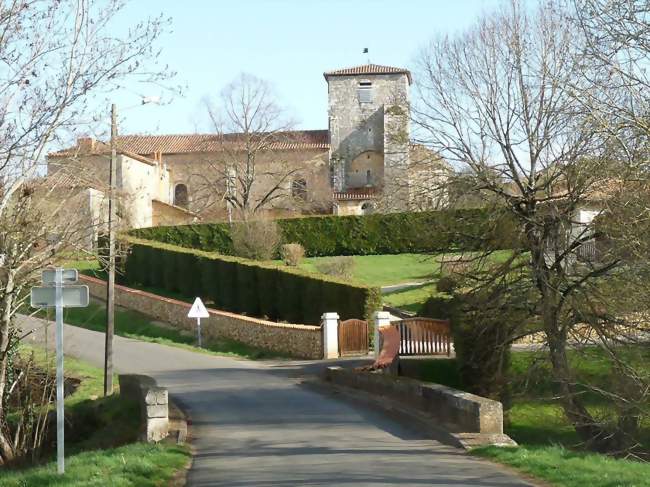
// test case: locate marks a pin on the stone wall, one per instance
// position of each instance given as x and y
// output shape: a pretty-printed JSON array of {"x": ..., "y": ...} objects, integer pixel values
[
  {"x": 301, "y": 341},
  {"x": 457, "y": 411},
  {"x": 154, "y": 404}
]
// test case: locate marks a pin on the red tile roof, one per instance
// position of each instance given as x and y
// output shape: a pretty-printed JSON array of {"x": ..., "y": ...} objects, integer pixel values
[
  {"x": 190, "y": 143},
  {"x": 368, "y": 69}
]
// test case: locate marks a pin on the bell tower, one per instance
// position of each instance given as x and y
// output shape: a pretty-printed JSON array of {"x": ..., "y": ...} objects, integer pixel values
[{"x": 368, "y": 109}]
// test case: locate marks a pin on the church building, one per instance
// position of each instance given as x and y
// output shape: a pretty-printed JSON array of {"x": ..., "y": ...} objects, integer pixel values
[{"x": 363, "y": 162}]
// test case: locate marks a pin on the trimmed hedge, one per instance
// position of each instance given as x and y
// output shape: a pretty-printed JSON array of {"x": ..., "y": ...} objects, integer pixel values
[
  {"x": 244, "y": 286},
  {"x": 391, "y": 233}
]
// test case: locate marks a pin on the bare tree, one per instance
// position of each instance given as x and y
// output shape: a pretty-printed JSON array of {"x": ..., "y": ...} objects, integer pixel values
[
  {"x": 56, "y": 58},
  {"x": 617, "y": 40},
  {"x": 249, "y": 169},
  {"x": 505, "y": 102}
]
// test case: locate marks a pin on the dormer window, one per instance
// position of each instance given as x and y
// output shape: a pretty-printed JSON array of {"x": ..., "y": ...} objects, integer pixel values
[{"x": 365, "y": 92}]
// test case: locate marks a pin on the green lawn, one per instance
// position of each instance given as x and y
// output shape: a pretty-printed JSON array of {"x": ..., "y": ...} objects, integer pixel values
[
  {"x": 410, "y": 299},
  {"x": 101, "y": 436},
  {"x": 549, "y": 447},
  {"x": 384, "y": 270}
]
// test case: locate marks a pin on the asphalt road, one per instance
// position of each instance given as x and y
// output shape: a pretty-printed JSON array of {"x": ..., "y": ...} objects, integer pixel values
[{"x": 254, "y": 424}]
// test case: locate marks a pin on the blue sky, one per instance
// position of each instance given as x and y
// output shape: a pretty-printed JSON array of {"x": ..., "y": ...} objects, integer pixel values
[{"x": 287, "y": 42}]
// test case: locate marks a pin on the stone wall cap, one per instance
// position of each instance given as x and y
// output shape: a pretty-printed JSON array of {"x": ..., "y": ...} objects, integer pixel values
[{"x": 330, "y": 316}]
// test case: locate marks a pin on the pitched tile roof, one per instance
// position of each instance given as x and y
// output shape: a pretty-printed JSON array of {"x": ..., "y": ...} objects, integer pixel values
[
  {"x": 368, "y": 69},
  {"x": 192, "y": 143}
]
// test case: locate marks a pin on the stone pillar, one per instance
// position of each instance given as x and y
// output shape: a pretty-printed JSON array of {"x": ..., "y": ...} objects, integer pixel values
[
  {"x": 156, "y": 412},
  {"x": 330, "y": 335},
  {"x": 382, "y": 318}
]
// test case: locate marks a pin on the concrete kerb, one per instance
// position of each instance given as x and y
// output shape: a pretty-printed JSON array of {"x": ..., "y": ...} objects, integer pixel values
[{"x": 451, "y": 416}]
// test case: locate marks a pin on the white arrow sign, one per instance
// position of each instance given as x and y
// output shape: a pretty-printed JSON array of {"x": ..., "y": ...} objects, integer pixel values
[{"x": 198, "y": 311}]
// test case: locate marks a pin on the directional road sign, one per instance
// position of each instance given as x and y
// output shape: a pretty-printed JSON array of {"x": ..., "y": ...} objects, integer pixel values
[
  {"x": 73, "y": 296},
  {"x": 59, "y": 294},
  {"x": 68, "y": 276}
]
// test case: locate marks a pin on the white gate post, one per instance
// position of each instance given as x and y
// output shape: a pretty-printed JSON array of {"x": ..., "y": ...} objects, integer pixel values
[
  {"x": 330, "y": 335},
  {"x": 382, "y": 318}
]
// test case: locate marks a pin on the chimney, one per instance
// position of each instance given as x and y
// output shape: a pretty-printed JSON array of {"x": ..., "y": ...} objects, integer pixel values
[{"x": 86, "y": 145}]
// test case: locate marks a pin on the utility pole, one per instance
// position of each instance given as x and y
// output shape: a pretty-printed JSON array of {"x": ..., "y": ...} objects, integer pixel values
[{"x": 110, "y": 287}]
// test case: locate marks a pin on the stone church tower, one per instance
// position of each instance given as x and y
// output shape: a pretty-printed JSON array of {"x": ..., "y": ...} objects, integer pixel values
[{"x": 369, "y": 136}]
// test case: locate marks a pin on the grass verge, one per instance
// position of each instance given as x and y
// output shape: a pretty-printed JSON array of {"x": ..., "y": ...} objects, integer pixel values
[
  {"x": 101, "y": 434},
  {"x": 549, "y": 446},
  {"x": 568, "y": 468}
]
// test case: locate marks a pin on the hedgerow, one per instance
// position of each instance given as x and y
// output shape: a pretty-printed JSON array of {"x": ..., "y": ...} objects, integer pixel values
[
  {"x": 275, "y": 291},
  {"x": 391, "y": 233}
]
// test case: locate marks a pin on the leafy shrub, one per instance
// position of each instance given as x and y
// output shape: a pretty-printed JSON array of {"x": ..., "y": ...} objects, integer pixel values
[
  {"x": 342, "y": 267},
  {"x": 244, "y": 286},
  {"x": 392, "y": 233},
  {"x": 446, "y": 284},
  {"x": 482, "y": 332},
  {"x": 292, "y": 254},
  {"x": 255, "y": 239}
]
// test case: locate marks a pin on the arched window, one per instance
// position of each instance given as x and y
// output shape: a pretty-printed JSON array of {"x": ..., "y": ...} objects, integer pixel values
[
  {"x": 299, "y": 189},
  {"x": 180, "y": 195},
  {"x": 366, "y": 208},
  {"x": 369, "y": 177}
]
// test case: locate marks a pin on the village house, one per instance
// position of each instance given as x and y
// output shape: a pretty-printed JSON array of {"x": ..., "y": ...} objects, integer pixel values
[{"x": 363, "y": 162}]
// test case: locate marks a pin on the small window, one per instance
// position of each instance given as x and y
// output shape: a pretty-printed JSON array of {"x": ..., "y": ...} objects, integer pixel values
[
  {"x": 299, "y": 189},
  {"x": 366, "y": 208},
  {"x": 365, "y": 92},
  {"x": 180, "y": 196},
  {"x": 368, "y": 177}
]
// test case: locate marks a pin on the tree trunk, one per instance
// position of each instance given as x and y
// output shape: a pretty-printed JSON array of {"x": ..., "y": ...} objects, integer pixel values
[
  {"x": 574, "y": 409},
  {"x": 6, "y": 446}
]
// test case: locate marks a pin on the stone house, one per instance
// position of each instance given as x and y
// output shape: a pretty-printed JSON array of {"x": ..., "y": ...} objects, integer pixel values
[{"x": 363, "y": 162}]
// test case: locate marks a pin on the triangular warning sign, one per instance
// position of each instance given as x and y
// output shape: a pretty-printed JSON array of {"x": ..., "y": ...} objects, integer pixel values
[{"x": 198, "y": 310}]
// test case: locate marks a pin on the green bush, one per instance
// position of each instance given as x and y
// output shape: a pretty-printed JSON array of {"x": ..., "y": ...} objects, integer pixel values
[
  {"x": 244, "y": 286},
  {"x": 482, "y": 334},
  {"x": 392, "y": 233}
]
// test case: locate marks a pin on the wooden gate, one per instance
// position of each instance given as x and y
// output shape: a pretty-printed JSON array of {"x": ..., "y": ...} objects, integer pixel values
[
  {"x": 424, "y": 336},
  {"x": 353, "y": 337}
]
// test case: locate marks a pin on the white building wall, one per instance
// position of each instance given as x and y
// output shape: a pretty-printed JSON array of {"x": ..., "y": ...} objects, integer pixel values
[{"x": 138, "y": 184}]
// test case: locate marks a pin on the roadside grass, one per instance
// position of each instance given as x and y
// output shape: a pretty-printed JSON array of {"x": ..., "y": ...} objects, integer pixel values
[
  {"x": 568, "y": 468},
  {"x": 137, "y": 465},
  {"x": 549, "y": 446},
  {"x": 132, "y": 324},
  {"x": 101, "y": 439}
]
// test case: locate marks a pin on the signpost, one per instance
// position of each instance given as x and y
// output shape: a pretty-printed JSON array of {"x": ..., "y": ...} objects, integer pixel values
[
  {"x": 198, "y": 311},
  {"x": 58, "y": 294}
]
